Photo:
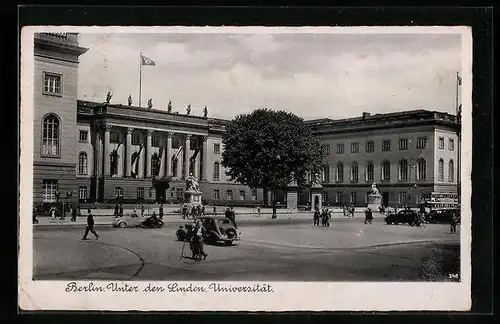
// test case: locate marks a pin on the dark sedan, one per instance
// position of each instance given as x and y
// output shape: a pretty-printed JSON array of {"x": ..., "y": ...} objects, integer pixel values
[
  {"x": 402, "y": 217},
  {"x": 440, "y": 216}
]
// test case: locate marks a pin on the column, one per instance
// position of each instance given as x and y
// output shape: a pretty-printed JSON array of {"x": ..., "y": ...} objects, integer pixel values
[
  {"x": 169, "y": 153},
  {"x": 187, "y": 153},
  {"x": 148, "y": 154},
  {"x": 128, "y": 152},
  {"x": 98, "y": 152},
  {"x": 161, "y": 172},
  {"x": 197, "y": 172},
  {"x": 204, "y": 156},
  {"x": 106, "y": 150}
]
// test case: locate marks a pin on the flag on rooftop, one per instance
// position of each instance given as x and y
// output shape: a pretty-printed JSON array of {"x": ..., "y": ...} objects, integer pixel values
[{"x": 147, "y": 61}]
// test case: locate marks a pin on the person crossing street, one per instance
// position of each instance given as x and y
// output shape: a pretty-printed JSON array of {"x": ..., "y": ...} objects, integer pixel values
[{"x": 90, "y": 226}]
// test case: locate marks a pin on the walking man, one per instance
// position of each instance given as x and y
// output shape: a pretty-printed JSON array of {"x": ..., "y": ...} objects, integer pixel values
[
  {"x": 316, "y": 216},
  {"x": 258, "y": 211},
  {"x": 161, "y": 211},
  {"x": 73, "y": 214},
  {"x": 368, "y": 216},
  {"x": 120, "y": 210},
  {"x": 90, "y": 226},
  {"x": 454, "y": 222}
]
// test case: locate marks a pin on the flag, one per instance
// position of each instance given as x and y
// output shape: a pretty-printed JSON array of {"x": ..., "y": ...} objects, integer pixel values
[
  {"x": 147, "y": 61},
  {"x": 459, "y": 79},
  {"x": 136, "y": 160},
  {"x": 178, "y": 152}
]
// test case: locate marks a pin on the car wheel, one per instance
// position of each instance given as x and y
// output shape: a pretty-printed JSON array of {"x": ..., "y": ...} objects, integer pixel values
[{"x": 122, "y": 225}]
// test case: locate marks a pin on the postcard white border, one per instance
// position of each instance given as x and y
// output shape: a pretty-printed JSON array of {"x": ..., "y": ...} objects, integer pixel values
[{"x": 287, "y": 296}]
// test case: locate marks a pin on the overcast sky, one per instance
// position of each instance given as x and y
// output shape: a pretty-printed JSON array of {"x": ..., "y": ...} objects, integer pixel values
[{"x": 311, "y": 75}]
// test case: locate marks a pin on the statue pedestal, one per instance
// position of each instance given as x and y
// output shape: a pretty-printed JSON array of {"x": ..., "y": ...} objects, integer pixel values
[
  {"x": 292, "y": 197},
  {"x": 316, "y": 196},
  {"x": 374, "y": 201},
  {"x": 193, "y": 199}
]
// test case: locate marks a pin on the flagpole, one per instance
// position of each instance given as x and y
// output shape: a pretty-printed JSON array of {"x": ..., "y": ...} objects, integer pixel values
[{"x": 140, "y": 78}]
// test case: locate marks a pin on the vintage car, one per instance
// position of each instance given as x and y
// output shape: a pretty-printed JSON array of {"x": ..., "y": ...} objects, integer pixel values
[
  {"x": 406, "y": 216},
  {"x": 441, "y": 216},
  {"x": 218, "y": 230},
  {"x": 134, "y": 220}
]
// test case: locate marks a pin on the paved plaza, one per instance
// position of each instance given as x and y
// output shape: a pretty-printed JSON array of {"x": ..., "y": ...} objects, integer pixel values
[{"x": 348, "y": 250}]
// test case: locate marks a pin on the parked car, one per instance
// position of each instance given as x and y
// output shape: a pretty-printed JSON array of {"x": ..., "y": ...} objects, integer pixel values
[
  {"x": 218, "y": 230},
  {"x": 134, "y": 220},
  {"x": 406, "y": 216},
  {"x": 441, "y": 216}
]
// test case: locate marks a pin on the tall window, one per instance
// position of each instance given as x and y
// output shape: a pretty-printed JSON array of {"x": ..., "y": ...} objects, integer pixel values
[
  {"x": 174, "y": 166},
  {"x": 441, "y": 170},
  {"x": 340, "y": 148},
  {"x": 441, "y": 143},
  {"x": 50, "y": 137},
  {"x": 325, "y": 173},
  {"x": 155, "y": 141},
  {"x": 369, "y": 171},
  {"x": 113, "y": 163},
  {"x": 339, "y": 175},
  {"x": 370, "y": 146},
  {"x": 354, "y": 147},
  {"x": 403, "y": 170},
  {"x": 402, "y": 198},
  {"x": 352, "y": 197},
  {"x": 242, "y": 194},
  {"x": 83, "y": 136},
  {"x": 451, "y": 171},
  {"x": 339, "y": 196},
  {"x": 324, "y": 197},
  {"x": 229, "y": 195},
  {"x": 49, "y": 190},
  {"x": 216, "y": 148},
  {"x": 421, "y": 169},
  {"x": 216, "y": 171},
  {"x": 52, "y": 83},
  {"x": 386, "y": 170},
  {"x": 254, "y": 194},
  {"x": 216, "y": 194},
  {"x": 136, "y": 138},
  {"x": 386, "y": 145},
  {"x": 451, "y": 144},
  {"x": 421, "y": 142},
  {"x": 82, "y": 163},
  {"x": 403, "y": 144},
  {"x": 140, "y": 193},
  {"x": 354, "y": 172},
  {"x": 82, "y": 193},
  {"x": 155, "y": 165},
  {"x": 118, "y": 192},
  {"x": 326, "y": 149}
]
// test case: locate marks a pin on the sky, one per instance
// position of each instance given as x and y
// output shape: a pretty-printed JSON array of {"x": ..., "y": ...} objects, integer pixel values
[{"x": 312, "y": 75}]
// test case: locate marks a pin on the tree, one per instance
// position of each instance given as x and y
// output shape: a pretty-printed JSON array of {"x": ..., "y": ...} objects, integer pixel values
[{"x": 266, "y": 148}]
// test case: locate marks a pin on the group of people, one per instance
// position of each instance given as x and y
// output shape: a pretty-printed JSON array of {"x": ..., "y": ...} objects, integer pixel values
[
  {"x": 348, "y": 210},
  {"x": 68, "y": 209},
  {"x": 325, "y": 215},
  {"x": 196, "y": 211}
]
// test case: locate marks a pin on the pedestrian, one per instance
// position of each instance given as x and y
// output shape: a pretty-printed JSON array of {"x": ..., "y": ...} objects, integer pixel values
[
  {"x": 344, "y": 210},
  {"x": 316, "y": 216},
  {"x": 229, "y": 214},
  {"x": 90, "y": 226},
  {"x": 193, "y": 212},
  {"x": 324, "y": 217},
  {"x": 184, "y": 211},
  {"x": 258, "y": 211},
  {"x": 368, "y": 216},
  {"x": 198, "y": 240},
  {"x": 198, "y": 210},
  {"x": 115, "y": 212},
  {"x": 142, "y": 210},
  {"x": 73, "y": 214},
  {"x": 52, "y": 212},
  {"x": 161, "y": 211},
  {"x": 352, "y": 211},
  {"x": 454, "y": 222},
  {"x": 214, "y": 210},
  {"x": 120, "y": 210},
  {"x": 328, "y": 217},
  {"x": 35, "y": 215}
]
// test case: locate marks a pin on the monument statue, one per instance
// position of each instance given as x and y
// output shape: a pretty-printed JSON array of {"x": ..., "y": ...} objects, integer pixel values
[
  {"x": 315, "y": 180},
  {"x": 169, "y": 107},
  {"x": 150, "y": 103},
  {"x": 129, "y": 100},
  {"x": 188, "y": 109},
  {"x": 192, "y": 184},
  {"x": 374, "y": 198},
  {"x": 374, "y": 190},
  {"x": 205, "y": 112},
  {"x": 108, "y": 97}
]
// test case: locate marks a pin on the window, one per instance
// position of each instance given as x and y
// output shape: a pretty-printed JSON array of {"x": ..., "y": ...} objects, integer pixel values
[
  {"x": 82, "y": 193},
  {"x": 324, "y": 197},
  {"x": 242, "y": 194},
  {"x": 216, "y": 171},
  {"x": 354, "y": 147},
  {"x": 136, "y": 138},
  {"x": 403, "y": 170},
  {"x": 339, "y": 175},
  {"x": 52, "y": 84},
  {"x": 402, "y": 198},
  {"x": 82, "y": 163},
  {"x": 440, "y": 170},
  {"x": 114, "y": 137},
  {"x": 155, "y": 141},
  {"x": 369, "y": 171},
  {"x": 118, "y": 192},
  {"x": 84, "y": 136},
  {"x": 352, "y": 197},
  {"x": 325, "y": 173},
  {"x": 174, "y": 166},
  {"x": 49, "y": 190},
  {"x": 339, "y": 196},
  {"x": 451, "y": 144},
  {"x": 421, "y": 142},
  {"x": 216, "y": 195},
  {"x": 50, "y": 136},
  {"x": 155, "y": 165},
  {"x": 451, "y": 171},
  {"x": 254, "y": 194},
  {"x": 386, "y": 145},
  {"x": 150, "y": 192},
  {"x": 326, "y": 149},
  {"x": 113, "y": 163},
  {"x": 340, "y": 148},
  {"x": 229, "y": 195},
  {"x": 354, "y": 172},
  {"x": 421, "y": 169},
  {"x": 441, "y": 143},
  {"x": 140, "y": 193},
  {"x": 370, "y": 146},
  {"x": 217, "y": 148},
  {"x": 403, "y": 144},
  {"x": 386, "y": 171}
]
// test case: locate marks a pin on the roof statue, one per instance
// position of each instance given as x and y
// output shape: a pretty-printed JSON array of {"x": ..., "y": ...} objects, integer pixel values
[
  {"x": 129, "y": 100},
  {"x": 169, "y": 107},
  {"x": 108, "y": 97},
  {"x": 205, "y": 112},
  {"x": 150, "y": 103},
  {"x": 188, "y": 109}
]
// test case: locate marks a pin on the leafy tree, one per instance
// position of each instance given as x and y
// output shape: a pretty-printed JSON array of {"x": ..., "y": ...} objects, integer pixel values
[{"x": 266, "y": 149}]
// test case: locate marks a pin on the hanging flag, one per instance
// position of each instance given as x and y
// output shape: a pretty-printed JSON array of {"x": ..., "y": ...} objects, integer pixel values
[
  {"x": 178, "y": 152},
  {"x": 136, "y": 160},
  {"x": 459, "y": 79},
  {"x": 147, "y": 61}
]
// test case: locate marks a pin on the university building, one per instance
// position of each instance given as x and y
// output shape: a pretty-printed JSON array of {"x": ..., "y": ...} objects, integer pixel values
[{"x": 108, "y": 152}]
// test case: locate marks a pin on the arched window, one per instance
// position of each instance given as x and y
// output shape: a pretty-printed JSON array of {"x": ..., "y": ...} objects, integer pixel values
[
  {"x": 421, "y": 169},
  {"x": 216, "y": 171},
  {"x": 386, "y": 170},
  {"x": 403, "y": 170},
  {"x": 50, "y": 136},
  {"x": 339, "y": 175},
  {"x": 174, "y": 166},
  {"x": 451, "y": 171},
  {"x": 441, "y": 170},
  {"x": 325, "y": 173},
  {"x": 113, "y": 163},
  {"x": 82, "y": 163},
  {"x": 354, "y": 172},
  {"x": 155, "y": 165}
]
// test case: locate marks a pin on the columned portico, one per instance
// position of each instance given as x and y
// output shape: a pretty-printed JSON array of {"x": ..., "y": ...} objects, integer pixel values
[
  {"x": 186, "y": 155},
  {"x": 148, "y": 154},
  {"x": 99, "y": 152},
  {"x": 128, "y": 152}
]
